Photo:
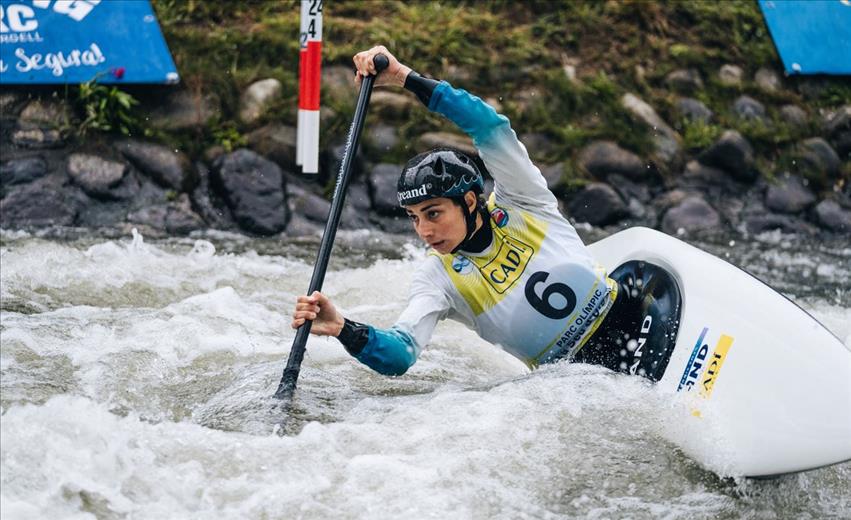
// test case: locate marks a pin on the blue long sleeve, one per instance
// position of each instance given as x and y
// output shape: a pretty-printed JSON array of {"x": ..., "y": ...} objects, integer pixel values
[
  {"x": 390, "y": 352},
  {"x": 472, "y": 115}
]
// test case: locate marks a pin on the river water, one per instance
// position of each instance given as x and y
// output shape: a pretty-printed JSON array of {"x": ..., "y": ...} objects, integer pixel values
[{"x": 137, "y": 375}]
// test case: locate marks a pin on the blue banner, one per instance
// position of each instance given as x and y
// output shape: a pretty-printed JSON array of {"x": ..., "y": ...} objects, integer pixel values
[
  {"x": 811, "y": 36},
  {"x": 75, "y": 41}
]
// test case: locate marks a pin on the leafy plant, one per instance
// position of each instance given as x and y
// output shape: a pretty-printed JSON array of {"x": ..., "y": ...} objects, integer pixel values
[
  {"x": 698, "y": 135},
  {"x": 106, "y": 109},
  {"x": 228, "y": 136}
]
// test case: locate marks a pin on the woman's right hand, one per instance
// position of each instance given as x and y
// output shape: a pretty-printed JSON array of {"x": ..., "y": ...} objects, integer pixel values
[
  {"x": 318, "y": 309},
  {"x": 395, "y": 74}
]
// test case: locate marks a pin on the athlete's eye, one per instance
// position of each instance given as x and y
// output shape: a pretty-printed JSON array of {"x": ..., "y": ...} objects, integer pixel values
[
  {"x": 412, "y": 218},
  {"x": 433, "y": 214}
]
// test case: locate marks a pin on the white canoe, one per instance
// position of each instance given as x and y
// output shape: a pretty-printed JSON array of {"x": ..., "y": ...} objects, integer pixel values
[{"x": 759, "y": 387}]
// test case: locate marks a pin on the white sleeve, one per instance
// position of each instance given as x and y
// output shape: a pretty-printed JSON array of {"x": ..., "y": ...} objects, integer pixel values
[{"x": 427, "y": 303}]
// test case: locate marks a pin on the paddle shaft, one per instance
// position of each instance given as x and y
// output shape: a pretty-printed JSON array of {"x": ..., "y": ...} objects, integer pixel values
[{"x": 288, "y": 380}]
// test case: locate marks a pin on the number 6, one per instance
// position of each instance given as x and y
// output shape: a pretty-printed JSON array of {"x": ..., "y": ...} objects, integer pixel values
[{"x": 542, "y": 303}]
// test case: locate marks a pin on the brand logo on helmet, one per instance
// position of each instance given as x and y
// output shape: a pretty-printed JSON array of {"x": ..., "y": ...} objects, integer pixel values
[
  {"x": 500, "y": 217},
  {"x": 462, "y": 265},
  {"x": 410, "y": 194}
]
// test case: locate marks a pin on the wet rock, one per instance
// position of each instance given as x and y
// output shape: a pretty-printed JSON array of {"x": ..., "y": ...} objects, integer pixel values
[
  {"x": 430, "y": 140},
  {"x": 684, "y": 81},
  {"x": 380, "y": 139},
  {"x": 770, "y": 222},
  {"x": 10, "y": 104},
  {"x": 832, "y": 216},
  {"x": 733, "y": 154},
  {"x": 838, "y": 121},
  {"x": 174, "y": 217},
  {"x": 37, "y": 138},
  {"x": 554, "y": 175},
  {"x": 276, "y": 142},
  {"x": 339, "y": 81},
  {"x": 597, "y": 204},
  {"x": 538, "y": 145},
  {"x": 842, "y": 145},
  {"x": 693, "y": 110},
  {"x": 44, "y": 114},
  {"x": 637, "y": 197},
  {"x": 357, "y": 197},
  {"x": 22, "y": 170},
  {"x": 730, "y": 75},
  {"x": 303, "y": 202},
  {"x": 666, "y": 140},
  {"x": 183, "y": 110},
  {"x": 316, "y": 209},
  {"x": 299, "y": 226},
  {"x": 746, "y": 107},
  {"x": 602, "y": 158},
  {"x": 629, "y": 189},
  {"x": 37, "y": 204},
  {"x": 169, "y": 168},
  {"x": 254, "y": 190},
  {"x": 707, "y": 178},
  {"x": 208, "y": 204},
  {"x": 670, "y": 199},
  {"x": 690, "y": 215},
  {"x": 257, "y": 98},
  {"x": 331, "y": 161},
  {"x": 391, "y": 105},
  {"x": 397, "y": 225},
  {"x": 767, "y": 80},
  {"x": 794, "y": 115},
  {"x": 818, "y": 160},
  {"x": 382, "y": 186},
  {"x": 789, "y": 195},
  {"x": 214, "y": 152},
  {"x": 97, "y": 176}
]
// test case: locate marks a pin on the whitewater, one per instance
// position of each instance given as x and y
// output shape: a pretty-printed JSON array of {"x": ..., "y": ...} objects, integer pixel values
[{"x": 136, "y": 379}]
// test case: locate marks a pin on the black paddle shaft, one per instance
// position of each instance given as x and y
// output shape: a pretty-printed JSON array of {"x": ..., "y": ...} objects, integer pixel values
[{"x": 288, "y": 380}]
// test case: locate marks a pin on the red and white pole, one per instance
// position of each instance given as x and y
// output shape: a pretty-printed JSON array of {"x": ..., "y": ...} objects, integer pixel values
[{"x": 310, "y": 64}]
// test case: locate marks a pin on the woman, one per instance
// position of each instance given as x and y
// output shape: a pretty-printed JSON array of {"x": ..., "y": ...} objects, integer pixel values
[{"x": 510, "y": 267}]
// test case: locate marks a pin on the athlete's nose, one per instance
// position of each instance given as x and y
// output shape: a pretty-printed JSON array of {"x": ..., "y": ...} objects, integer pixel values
[{"x": 424, "y": 229}]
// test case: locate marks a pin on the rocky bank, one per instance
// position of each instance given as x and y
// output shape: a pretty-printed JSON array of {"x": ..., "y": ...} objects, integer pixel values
[{"x": 50, "y": 176}]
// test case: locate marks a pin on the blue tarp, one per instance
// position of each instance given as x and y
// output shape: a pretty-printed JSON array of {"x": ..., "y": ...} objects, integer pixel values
[
  {"x": 811, "y": 36},
  {"x": 74, "y": 41}
]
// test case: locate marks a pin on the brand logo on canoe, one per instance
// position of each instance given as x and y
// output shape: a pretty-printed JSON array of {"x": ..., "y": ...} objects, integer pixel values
[
  {"x": 695, "y": 362},
  {"x": 716, "y": 360},
  {"x": 700, "y": 361},
  {"x": 500, "y": 217},
  {"x": 410, "y": 194},
  {"x": 462, "y": 265},
  {"x": 639, "y": 349}
]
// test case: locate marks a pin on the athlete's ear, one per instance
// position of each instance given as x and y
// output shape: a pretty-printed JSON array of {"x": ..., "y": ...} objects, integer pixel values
[{"x": 470, "y": 200}]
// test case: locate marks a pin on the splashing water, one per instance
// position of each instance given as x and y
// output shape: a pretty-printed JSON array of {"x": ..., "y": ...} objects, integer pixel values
[{"x": 137, "y": 381}]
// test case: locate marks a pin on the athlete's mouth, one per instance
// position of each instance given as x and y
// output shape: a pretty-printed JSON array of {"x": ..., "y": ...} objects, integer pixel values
[{"x": 436, "y": 244}]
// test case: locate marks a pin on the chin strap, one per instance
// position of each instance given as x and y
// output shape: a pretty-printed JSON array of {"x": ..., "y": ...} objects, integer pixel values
[{"x": 470, "y": 217}]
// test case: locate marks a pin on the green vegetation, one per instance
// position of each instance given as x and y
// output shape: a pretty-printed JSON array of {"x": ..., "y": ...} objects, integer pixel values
[
  {"x": 507, "y": 50},
  {"x": 106, "y": 109}
]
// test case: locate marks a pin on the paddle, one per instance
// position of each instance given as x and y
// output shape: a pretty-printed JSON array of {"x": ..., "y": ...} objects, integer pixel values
[{"x": 288, "y": 380}]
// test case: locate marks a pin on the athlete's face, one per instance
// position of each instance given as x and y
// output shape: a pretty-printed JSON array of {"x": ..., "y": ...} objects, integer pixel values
[{"x": 440, "y": 223}]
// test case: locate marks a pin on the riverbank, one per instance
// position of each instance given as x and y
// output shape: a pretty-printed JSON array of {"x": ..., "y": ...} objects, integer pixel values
[{"x": 686, "y": 131}]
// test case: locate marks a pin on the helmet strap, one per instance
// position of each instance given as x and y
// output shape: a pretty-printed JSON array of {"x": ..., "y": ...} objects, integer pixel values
[{"x": 470, "y": 217}]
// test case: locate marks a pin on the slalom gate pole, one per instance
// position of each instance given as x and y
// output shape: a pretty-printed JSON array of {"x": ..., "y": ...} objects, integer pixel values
[
  {"x": 309, "y": 76},
  {"x": 288, "y": 380}
]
